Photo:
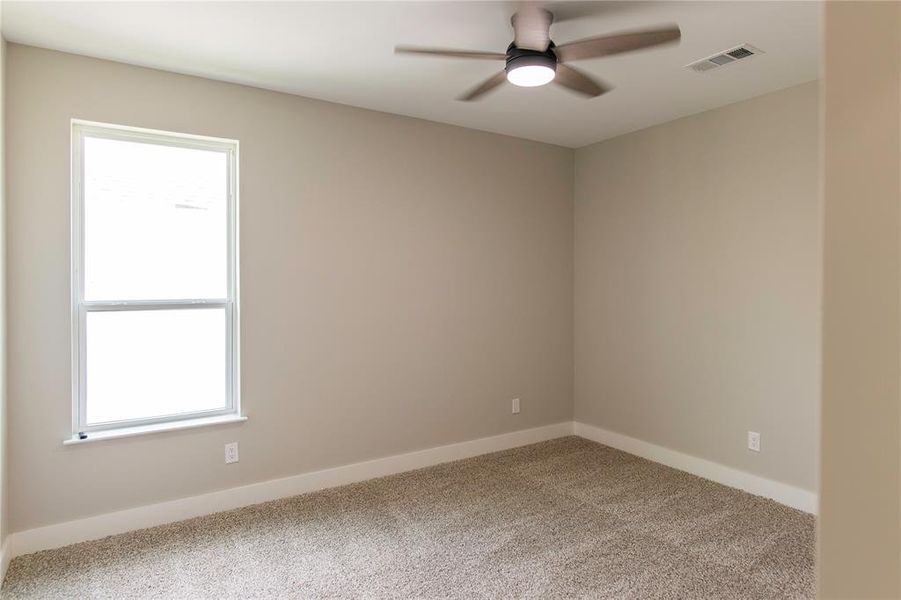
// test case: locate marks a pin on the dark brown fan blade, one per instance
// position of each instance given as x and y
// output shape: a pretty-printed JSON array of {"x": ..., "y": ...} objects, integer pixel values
[
  {"x": 443, "y": 52},
  {"x": 607, "y": 45},
  {"x": 532, "y": 27},
  {"x": 579, "y": 82},
  {"x": 484, "y": 87}
]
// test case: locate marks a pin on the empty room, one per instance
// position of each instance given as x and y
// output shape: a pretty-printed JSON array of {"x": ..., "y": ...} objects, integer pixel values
[{"x": 455, "y": 299}]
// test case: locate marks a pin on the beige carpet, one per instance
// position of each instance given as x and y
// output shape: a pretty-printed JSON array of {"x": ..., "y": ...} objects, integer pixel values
[{"x": 566, "y": 518}]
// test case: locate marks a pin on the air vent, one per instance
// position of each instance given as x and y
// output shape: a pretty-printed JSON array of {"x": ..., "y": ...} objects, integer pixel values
[{"x": 724, "y": 58}]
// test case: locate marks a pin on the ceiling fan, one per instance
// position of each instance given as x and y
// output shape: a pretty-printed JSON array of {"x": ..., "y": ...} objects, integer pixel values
[{"x": 532, "y": 59}]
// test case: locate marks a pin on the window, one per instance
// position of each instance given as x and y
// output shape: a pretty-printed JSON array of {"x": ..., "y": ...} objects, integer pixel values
[{"x": 154, "y": 282}]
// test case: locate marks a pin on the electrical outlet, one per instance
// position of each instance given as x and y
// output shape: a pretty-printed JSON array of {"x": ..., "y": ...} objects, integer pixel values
[
  {"x": 231, "y": 453},
  {"x": 516, "y": 406},
  {"x": 754, "y": 441}
]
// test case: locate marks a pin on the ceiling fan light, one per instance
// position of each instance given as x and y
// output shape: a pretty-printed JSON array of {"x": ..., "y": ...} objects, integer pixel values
[
  {"x": 530, "y": 75},
  {"x": 530, "y": 68}
]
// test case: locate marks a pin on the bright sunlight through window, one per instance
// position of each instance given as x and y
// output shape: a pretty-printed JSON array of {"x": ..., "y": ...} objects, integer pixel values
[{"x": 154, "y": 278}]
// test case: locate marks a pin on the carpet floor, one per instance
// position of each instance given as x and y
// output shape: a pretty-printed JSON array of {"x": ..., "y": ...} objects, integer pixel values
[{"x": 566, "y": 518}]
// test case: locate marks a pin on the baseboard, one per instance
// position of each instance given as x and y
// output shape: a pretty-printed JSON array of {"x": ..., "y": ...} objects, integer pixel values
[
  {"x": 780, "y": 492},
  {"x": 91, "y": 528},
  {"x": 5, "y": 557}
]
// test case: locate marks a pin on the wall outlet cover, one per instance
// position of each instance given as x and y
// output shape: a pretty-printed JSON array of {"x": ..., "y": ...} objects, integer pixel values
[
  {"x": 231, "y": 453},
  {"x": 754, "y": 441}
]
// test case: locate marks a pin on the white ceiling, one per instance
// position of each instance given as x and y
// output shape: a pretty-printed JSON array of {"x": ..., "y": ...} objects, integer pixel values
[{"x": 343, "y": 52}]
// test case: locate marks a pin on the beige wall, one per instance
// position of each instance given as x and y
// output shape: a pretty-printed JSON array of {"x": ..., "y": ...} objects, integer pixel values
[
  {"x": 402, "y": 281},
  {"x": 860, "y": 523},
  {"x": 3, "y": 421},
  {"x": 697, "y": 290}
]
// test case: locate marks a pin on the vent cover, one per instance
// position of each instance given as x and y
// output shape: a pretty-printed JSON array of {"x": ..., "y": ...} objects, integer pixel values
[{"x": 724, "y": 58}]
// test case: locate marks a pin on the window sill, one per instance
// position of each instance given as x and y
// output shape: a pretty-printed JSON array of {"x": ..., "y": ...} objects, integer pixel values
[{"x": 111, "y": 434}]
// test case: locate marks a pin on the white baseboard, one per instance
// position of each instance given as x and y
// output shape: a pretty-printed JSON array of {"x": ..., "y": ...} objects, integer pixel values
[
  {"x": 5, "y": 557},
  {"x": 91, "y": 528},
  {"x": 780, "y": 492}
]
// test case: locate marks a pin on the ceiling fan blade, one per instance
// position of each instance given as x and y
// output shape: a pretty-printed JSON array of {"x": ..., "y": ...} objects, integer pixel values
[
  {"x": 448, "y": 53},
  {"x": 579, "y": 82},
  {"x": 570, "y": 10},
  {"x": 532, "y": 27},
  {"x": 607, "y": 45},
  {"x": 484, "y": 87}
]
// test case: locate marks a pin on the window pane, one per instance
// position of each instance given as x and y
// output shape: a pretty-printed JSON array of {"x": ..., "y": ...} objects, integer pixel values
[
  {"x": 155, "y": 221},
  {"x": 151, "y": 363}
]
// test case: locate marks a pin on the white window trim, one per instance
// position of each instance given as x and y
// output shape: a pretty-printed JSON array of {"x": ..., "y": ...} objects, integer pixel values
[{"x": 81, "y": 431}]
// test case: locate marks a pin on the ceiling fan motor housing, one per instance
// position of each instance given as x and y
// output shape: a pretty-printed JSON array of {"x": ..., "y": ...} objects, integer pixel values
[{"x": 521, "y": 57}]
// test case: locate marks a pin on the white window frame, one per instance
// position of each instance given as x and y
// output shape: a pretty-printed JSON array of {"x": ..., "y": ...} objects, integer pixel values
[{"x": 81, "y": 431}]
